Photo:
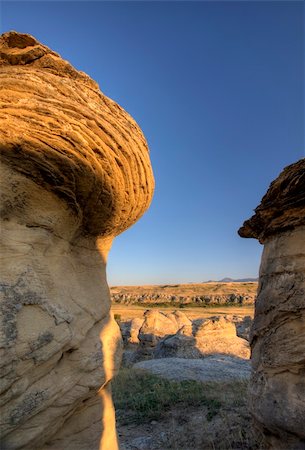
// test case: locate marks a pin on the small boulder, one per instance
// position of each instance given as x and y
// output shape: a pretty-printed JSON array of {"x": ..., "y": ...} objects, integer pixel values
[
  {"x": 179, "y": 346},
  {"x": 217, "y": 335},
  {"x": 135, "y": 327},
  {"x": 156, "y": 325}
]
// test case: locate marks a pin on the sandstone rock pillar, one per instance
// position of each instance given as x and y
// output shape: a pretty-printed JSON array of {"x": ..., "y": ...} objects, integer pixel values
[
  {"x": 75, "y": 172},
  {"x": 277, "y": 392}
]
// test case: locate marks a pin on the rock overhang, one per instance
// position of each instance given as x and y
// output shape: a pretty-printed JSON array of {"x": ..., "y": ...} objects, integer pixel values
[
  {"x": 60, "y": 130},
  {"x": 283, "y": 206}
]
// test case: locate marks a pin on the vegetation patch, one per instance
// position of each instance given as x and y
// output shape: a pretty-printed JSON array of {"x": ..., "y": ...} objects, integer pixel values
[
  {"x": 186, "y": 415},
  {"x": 140, "y": 397}
]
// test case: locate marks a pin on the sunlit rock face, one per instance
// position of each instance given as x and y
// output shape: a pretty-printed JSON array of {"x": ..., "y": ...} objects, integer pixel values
[
  {"x": 75, "y": 172},
  {"x": 278, "y": 333}
]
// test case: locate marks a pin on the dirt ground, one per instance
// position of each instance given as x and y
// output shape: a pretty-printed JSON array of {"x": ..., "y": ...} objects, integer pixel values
[
  {"x": 221, "y": 422},
  {"x": 188, "y": 429}
]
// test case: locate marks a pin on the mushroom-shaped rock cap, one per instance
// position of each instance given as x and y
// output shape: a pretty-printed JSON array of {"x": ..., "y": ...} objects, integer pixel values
[
  {"x": 58, "y": 129},
  {"x": 282, "y": 207}
]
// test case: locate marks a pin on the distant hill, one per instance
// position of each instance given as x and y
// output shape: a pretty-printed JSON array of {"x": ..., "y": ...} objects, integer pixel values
[
  {"x": 179, "y": 295},
  {"x": 232, "y": 280}
]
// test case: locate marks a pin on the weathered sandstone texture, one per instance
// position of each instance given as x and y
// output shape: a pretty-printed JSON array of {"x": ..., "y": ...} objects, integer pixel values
[
  {"x": 216, "y": 335},
  {"x": 130, "y": 330},
  {"x": 75, "y": 172},
  {"x": 155, "y": 326},
  {"x": 278, "y": 333},
  {"x": 170, "y": 335}
]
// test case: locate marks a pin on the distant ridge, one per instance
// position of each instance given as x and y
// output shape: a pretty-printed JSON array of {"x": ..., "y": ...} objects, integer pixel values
[
  {"x": 191, "y": 294},
  {"x": 232, "y": 280}
]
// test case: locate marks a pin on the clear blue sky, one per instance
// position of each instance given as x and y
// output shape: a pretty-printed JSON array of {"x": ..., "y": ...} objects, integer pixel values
[{"x": 217, "y": 88}]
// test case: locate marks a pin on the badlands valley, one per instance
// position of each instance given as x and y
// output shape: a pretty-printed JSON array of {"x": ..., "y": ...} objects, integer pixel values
[
  {"x": 186, "y": 364},
  {"x": 186, "y": 295}
]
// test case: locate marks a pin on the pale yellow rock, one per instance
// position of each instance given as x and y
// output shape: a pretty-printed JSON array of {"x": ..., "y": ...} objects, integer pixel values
[
  {"x": 277, "y": 391},
  {"x": 278, "y": 341},
  {"x": 135, "y": 327},
  {"x": 75, "y": 172},
  {"x": 217, "y": 335},
  {"x": 181, "y": 319},
  {"x": 155, "y": 326}
]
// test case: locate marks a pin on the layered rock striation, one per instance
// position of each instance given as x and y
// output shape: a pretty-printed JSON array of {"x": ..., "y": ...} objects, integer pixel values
[
  {"x": 75, "y": 172},
  {"x": 278, "y": 333},
  {"x": 176, "y": 300},
  {"x": 72, "y": 140}
]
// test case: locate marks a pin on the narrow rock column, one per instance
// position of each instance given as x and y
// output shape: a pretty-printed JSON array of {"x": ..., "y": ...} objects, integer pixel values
[
  {"x": 277, "y": 391},
  {"x": 75, "y": 172}
]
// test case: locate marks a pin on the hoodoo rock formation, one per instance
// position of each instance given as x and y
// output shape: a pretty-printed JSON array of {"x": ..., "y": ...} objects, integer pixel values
[
  {"x": 75, "y": 173},
  {"x": 278, "y": 333},
  {"x": 161, "y": 335}
]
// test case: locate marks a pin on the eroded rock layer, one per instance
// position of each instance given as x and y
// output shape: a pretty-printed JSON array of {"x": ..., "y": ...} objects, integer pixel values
[
  {"x": 278, "y": 333},
  {"x": 58, "y": 129},
  {"x": 283, "y": 206},
  {"x": 75, "y": 172}
]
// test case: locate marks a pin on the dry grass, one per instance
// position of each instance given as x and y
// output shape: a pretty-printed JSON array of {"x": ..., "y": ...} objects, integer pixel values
[
  {"x": 188, "y": 415},
  {"x": 192, "y": 289},
  {"x": 193, "y": 311},
  {"x": 150, "y": 397}
]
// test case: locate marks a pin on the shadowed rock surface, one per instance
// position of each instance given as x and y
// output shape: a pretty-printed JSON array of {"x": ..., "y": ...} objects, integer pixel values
[
  {"x": 216, "y": 335},
  {"x": 174, "y": 335},
  {"x": 155, "y": 326},
  {"x": 75, "y": 172},
  {"x": 179, "y": 346},
  {"x": 243, "y": 327},
  {"x": 278, "y": 333}
]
